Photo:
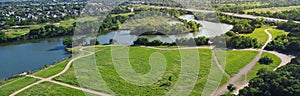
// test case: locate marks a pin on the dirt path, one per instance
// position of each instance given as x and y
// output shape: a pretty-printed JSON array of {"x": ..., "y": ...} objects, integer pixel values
[
  {"x": 60, "y": 73},
  {"x": 243, "y": 72}
]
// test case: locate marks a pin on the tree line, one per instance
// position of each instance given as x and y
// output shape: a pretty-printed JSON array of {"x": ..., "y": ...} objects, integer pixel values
[
  {"x": 288, "y": 14},
  {"x": 244, "y": 26}
]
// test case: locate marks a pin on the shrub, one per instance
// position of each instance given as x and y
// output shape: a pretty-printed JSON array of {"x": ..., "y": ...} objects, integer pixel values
[{"x": 265, "y": 60}]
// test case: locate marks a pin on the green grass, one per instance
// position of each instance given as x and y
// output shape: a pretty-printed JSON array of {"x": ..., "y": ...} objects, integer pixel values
[
  {"x": 50, "y": 89},
  {"x": 236, "y": 60},
  {"x": 276, "y": 62},
  {"x": 272, "y": 10},
  {"x": 276, "y": 32},
  {"x": 262, "y": 37},
  {"x": 259, "y": 34},
  {"x": 123, "y": 14},
  {"x": 12, "y": 85},
  {"x": 139, "y": 62},
  {"x": 52, "y": 70}
]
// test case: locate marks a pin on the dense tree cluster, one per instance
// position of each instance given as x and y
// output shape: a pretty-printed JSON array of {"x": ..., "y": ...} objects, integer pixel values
[
  {"x": 47, "y": 31},
  {"x": 145, "y": 41},
  {"x": 199, "y": 41},
  {"x": 241, "y": 42},
  {"x": 265, "y": 60},
  {"x": 235, "y": 41},
  {"x": 289, "y": 26},
  {"x": 287, "y": 43},
  {"x": 285, "y": 81}
]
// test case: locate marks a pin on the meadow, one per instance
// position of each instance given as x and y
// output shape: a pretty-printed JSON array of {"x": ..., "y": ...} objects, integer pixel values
[{"x": 139, "y": 62}]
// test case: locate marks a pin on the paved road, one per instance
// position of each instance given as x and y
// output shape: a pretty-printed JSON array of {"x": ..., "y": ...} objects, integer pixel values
[{"x": 62, "y": 72}]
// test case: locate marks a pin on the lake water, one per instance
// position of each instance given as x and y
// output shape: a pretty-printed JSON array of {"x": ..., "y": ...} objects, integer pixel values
[
  {"x": 30, "y": 56},
  {"x": 33, "y": 55},
  {"x": 209, "y": 29}
]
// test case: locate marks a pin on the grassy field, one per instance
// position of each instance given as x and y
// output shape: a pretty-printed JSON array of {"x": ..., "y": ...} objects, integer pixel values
[
  {"x": 139, "y": 63},
  {"x": 259, "y": 34},
  {"x": 272, "y": 10},
  {"x": 276, "y": 62},
  {"x": 124, "y": 14},
  {"x": 276, "y": 32},
  {"x": 262, "y": 37},
  {"x": 12, "y": 33},
  {"x": 236, "y": 60},
  {"x": 52, "y": 70},
  {"x": 12, "y": 85},
  {"x": 50, "y": 89}
]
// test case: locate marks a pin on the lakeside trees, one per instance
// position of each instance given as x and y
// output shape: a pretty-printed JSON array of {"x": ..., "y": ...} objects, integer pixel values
[{"x": 285, "y": 81}]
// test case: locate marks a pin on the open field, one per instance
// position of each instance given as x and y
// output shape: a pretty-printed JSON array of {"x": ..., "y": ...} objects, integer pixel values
[
  {"x": 276, "y": 62},
  {"x": 276, "y": 32},
  {"x": 139, "y": 62},
  {"x": 9, "y": 86},
  {"x": 52, "y": 70},
  {"x": 240, "y": 59},
  {"x": 262, "y": 37},
  {"x": 50, "y": 89},
  {"x": 272, "y": 10}
]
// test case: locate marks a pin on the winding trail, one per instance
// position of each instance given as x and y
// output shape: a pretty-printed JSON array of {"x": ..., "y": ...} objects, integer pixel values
[
  {"x": 232, "y": 80},
  {"x": 243, "y": 72},
  {"x": 49, "y": 79}
]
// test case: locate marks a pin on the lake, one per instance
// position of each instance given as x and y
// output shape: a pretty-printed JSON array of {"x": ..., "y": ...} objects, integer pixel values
[{"x": 34, "y": 55}]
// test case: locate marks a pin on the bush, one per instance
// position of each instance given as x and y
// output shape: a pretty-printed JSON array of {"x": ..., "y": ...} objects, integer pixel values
[{"x": 265, "y": 60}]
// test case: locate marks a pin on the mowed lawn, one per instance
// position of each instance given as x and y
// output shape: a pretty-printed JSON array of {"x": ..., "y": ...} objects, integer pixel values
[
  {"x": 139, "y": 60},
  {"x": 9, "y": 86},
  {"x": 236, "y": 60},
  {"x": 276, "y": 32},
  {"x": 52, "y": 70},
  {"x": 259, "y": 34},
  {"x": 262, "y": 37},
  {"x": 50, "y": 89},
  {"x": 276, "y": 62}
]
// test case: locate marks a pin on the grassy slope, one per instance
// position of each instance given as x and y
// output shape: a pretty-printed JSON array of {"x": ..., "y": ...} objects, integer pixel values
[
  {"x": 276, "y": 62},
  {"x": 276, "y": 32},
  {"x": 259, "y": 34},
  {"x": 262, "y": 37},
  {"x": 9, "y": 86},
  {"x": 236, "y": 60},
  {"x": 50, "y": 89},
  {"x": 117, "y": 84},
  {"x": 47, "y": 72}
]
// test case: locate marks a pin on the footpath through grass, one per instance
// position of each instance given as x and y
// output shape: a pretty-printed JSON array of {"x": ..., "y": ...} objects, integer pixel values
[
  {"x": 276, "y": 62},
  {"x": 9, "y": 86},
  {"x": 262, "y": 37},
  {"x": 139, "y": 62},
  {"x": 50, "y": 89},
  {"x": 52, "y": 70}
]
